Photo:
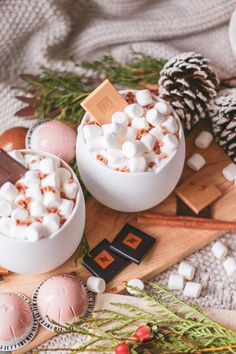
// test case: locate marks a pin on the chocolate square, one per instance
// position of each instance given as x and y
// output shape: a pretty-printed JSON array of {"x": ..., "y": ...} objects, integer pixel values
[
  {"x": 10, "y": 169},
  {"x": 104, "y": 263},
  {"x": 183, "y": 210},
  {"x": 132, "y": 243}
]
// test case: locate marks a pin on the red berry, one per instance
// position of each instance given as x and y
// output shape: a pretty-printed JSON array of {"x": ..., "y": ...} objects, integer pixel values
[
  {"x": 144, "y": 333},
  {"x": 122, "y": 348}
]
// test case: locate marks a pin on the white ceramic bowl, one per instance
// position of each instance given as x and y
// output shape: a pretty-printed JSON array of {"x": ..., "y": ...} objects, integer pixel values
[
  {"x": 129, "y": 192},
  {"x": 22, "y": 256}
]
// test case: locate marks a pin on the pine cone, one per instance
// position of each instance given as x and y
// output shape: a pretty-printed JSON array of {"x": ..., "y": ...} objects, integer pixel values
[
  {"x": 223, "y": 116},
  {"x": 188, "y": 83}
]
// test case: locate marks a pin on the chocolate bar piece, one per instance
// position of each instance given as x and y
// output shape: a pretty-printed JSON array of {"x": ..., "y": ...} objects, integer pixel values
[
  {"x": 10, "y": 169},
  {"x": 104, "y": 263},
  {"x": 132, "y": 243},
  {"x": 183, "y": 210}
]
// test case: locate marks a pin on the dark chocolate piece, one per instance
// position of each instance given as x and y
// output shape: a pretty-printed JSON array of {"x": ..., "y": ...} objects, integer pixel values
[
  {"x": 104, "y": 263},
  {"x": 10, "y": 169},
  {"x": 183, "y": 210},
  {"x": 132, "y": 243}
]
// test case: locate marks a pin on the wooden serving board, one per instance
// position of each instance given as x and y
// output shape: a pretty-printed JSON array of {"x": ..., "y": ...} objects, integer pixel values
[{"x": 172, "y": 244}]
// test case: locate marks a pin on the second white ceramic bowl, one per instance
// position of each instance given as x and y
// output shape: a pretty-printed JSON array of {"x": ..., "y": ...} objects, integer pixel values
[
  {"x": 22, "y": 256},
  {"x": 129, "y": 192}
]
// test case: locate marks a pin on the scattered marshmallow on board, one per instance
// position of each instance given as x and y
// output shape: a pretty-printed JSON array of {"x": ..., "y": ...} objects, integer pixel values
[
  {"x": 96, "y": 284},
  {"x": 204, "y": 139},
  {"x": 229, "y": 172},
  {"x": 196, "y": 162},
  {"x": 136, "y": 283},
  {"x": 192, "y": 289}
]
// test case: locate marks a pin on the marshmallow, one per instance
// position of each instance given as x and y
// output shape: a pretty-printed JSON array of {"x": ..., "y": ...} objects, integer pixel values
[
  {"x": 132, "y": 148},
  {"x": 47, "y": 165},
  {"x": 17, "y": 155},
  {"x": 120, "y": 117},
  {"x": 96, "y": 285},
  {"x": 18, "y": 231},
  {"x": 92, "y": 131},
  {"x": 171, "y": 125},
  {"x": 144, "y": 97},
  {"x": 164, "y": 108},
  {"x": 64, "y": 175},
  {"x": 137, "y": 164},
  {"x": 31, "y": 178},
  {"x": 32, "y": 161},
  {"x": 19, "y": 214},
  {"x": 51, "y": 222},
  {"x": 5, "y": 225},
  {"x": 110, "y": 141},
  {"x": 219, "y": 250},
  {"x": 170, "y": 144},
  {"x": 154, "y": 117},
  {"x": 116, "y": 128},
  {"x": 52, "y": 180},
  {"x": 148, "y": 141},
  {"x": 229, "y": 172},
  {"x": 136, "y": 283},
  {"x": 230, "y": 266},
  {"x": 34, "y": 192},
  {"x": 115, "y": 158},
  {"x": 134, "y": 110},
  {"x": 36, "y": 208},
  {"x": 94, "y": 144},
  {"x": 35, "y": 232},
  {"x": 176, "y": 282},
  {"x": 192, "y": 289},
  {"x": 196, "y": 162},
  {"x": 140, "y": 123},
  {"x": 70, "y": 189},
  {"x": 187, "y": 270},
  {"x": 52, "y": 199},
  {"x": 66, "y": 207},
  {"x": 157, "y": 132},
  {"x": 204, "y": 139},
  {"x": 9, "y": 192},
  {"x": 131, "y": 133},
  {"x": 5, "y": 208}
]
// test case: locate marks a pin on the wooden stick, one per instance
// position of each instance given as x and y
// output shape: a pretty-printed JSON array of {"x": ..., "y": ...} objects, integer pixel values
[
  {"x": 3, "y": 271},
  {"x": 189, "y": 222}
]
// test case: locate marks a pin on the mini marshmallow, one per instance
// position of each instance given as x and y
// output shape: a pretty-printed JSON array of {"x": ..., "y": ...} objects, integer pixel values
[
  {"x": 164, "y": 108},
  {"x": 66, "y": 207},
  {"x": 120, "y": 117},
  {"x": 96, "y": 285},
  {"x": 115, "y": 158},
  {"x": 170, "y": 144},
  {"x": 19, "y": 214},
  {"x": 136, "y": 283},
  {"x": 5, "y": 225},
  {"x": 36, "y": 208},
  {"x": 230, "y": 266},
  {"x": 52, "y": 199},
  {"x": 52, "y": 180},
  {"x": 91, "y": 131},
  {"x": 204, "y": 139},
  {"x": 51, "y": 222},
  {"x": 176, "y": 282},
  {"x": 187, "y": 270},
  {"x": 131, "y": 133},
  {"x": 137, "y": 164},
  {"x": 229, "y": 172},
  {"x": 144, "y": 97},
  {"x": 196, "y": 162},
  {"x": 64, "y": 175},
  {"x": 35, "y": 232},
  {"x": 154, "y": 117},
  {"x": 148, "y": 141},
  {"x": 32, "y": 161},
  {"x": 140, "y": 123},
  {"x": 116, "y": 128},
  {"x": 34, "y": 192},
  {"x": 192, "y": 289},
  {"x": 134, "y": 110},
  {"x": 47, "y": 166},
  {"x": 31, "y": 178},
  {"x": 219, "y": 250},
  {"x": 17, "y": 155},
  {"x": 70, "y": 189},
  {"x": 9, "y": 192},
  {"x": 171, "y": 125},
  {"x": 132, "y": 148},
  {"x": 18, "y": 231},
  {"x": 5, "y": 208},
  {"x": 157, "y": 132},
  {"x": 110, "y": 141},
  {"x": 94, "y": 144}
]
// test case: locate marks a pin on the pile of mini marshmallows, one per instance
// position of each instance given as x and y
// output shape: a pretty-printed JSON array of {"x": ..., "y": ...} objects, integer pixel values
[
  {"x": 138, "y": 139},
  {"x": 37, "y": 205}
]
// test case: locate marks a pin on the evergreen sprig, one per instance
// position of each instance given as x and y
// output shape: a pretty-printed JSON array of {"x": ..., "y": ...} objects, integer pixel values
[{"x": 178, "y": 328}]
